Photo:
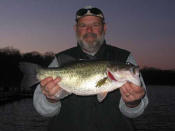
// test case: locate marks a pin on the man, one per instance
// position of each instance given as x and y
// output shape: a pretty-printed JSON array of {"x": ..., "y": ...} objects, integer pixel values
[{"x": 85, "y": 113}]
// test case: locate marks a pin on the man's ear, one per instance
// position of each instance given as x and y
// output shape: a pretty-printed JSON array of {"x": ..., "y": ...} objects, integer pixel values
[
  {"x": 75, "y": 27},
  {"x": 104, "y": 28}
]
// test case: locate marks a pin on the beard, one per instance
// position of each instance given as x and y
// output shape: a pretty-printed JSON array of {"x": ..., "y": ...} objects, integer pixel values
[{"x": 91, "y": 46}]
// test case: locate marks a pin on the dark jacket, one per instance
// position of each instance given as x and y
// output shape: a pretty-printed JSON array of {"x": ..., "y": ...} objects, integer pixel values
[{"x": 85, "y": 113}]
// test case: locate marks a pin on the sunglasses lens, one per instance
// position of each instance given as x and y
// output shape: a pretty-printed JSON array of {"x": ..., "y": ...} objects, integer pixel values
[
  {"x": 92, "y": 11},
  {"x": 81, "y": 12},
  {"x": 95, "y": 11}
]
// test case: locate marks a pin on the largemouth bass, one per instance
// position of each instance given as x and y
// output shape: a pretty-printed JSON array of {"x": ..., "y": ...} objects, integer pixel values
[{"x": 92, "y": 77}]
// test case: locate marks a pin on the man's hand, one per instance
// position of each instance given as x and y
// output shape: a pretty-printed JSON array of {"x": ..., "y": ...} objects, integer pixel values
[
  {"x": 132, "y": 94},
  {"x": 50, "y": 87}
]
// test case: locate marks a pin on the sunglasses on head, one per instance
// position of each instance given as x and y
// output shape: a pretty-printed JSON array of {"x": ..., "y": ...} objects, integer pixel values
[{"x": 94, "y": 11}]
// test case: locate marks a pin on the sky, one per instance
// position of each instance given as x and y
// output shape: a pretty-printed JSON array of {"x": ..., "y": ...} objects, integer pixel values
[{"x": 144, "y": 27}]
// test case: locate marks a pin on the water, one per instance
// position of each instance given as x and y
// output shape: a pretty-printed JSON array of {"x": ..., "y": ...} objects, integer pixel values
[
  {"x": 159, "y": 115},
  {"x": 21, "y": 116}
]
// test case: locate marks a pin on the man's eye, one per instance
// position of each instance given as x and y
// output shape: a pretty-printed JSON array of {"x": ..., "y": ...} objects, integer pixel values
[
  {"x": 82, "y": 25},
  {"x": 96, "y": 25}
]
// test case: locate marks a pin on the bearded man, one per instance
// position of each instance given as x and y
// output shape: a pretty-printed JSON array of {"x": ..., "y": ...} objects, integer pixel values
[{"x": 72, "y": 112}]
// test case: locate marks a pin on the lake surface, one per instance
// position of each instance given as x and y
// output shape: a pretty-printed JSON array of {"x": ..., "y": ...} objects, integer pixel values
[{"x": 159, "y": 115}]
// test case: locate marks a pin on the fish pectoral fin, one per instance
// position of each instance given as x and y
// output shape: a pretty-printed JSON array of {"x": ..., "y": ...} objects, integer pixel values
[
  {"x": 102, "y": 96},
  {"x": 62, "y": 93},
  {"x": 101, "y": 82}
]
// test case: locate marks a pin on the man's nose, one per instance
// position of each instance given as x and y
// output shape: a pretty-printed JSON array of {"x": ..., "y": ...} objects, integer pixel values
[{"x": 89, "y": 28}]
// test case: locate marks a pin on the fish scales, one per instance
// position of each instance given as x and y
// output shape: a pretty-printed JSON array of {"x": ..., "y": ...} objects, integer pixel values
[{"x": 89, "y": 78}]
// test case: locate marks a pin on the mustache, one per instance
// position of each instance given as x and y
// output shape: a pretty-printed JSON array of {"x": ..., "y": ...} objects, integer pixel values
[{"x": 90, "y": 35}]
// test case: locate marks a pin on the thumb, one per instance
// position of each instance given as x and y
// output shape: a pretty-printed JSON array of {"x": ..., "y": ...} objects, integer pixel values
[{"x": 58, "y": 79}]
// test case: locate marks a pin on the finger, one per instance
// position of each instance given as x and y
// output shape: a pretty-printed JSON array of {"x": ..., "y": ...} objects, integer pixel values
[
  {"x": 56, "y": 80},
  {"x": 130, "y": 88},
  {"x": 54, "y": 90},
  {"x": 134, "y": 87},
  {"x": 123, "y": 90},
  {"x": 53, "y": 83},
  {"x": 45, "y": 93},
  {"x": 45, "y": 81},
  {"x": 128, "y": 97},
  {"x": 136, "y": 91},
  {"x": 52, "y": 93}
]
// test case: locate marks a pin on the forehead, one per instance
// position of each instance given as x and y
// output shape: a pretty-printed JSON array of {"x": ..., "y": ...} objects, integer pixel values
[{"x": 89, "y": 19}]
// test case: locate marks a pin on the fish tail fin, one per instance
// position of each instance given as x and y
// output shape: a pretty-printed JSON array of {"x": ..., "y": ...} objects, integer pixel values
[{"x": 29, "y": 71}]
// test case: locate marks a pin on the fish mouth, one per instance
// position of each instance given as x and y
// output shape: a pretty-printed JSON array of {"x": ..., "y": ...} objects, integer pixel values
[{"x": 111, "y": 76}]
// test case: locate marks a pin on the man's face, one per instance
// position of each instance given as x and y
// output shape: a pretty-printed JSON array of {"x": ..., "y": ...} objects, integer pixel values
[{"x": 90, "y": 33}]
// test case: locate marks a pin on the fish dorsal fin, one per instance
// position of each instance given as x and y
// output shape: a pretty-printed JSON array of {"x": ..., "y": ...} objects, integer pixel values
[
  {"x": 101, "y": 96},
  {"x": 101, "y": 82}
]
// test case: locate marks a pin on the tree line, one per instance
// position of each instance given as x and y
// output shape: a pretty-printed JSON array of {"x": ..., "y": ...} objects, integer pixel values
[{"x": 10, "y": 74}]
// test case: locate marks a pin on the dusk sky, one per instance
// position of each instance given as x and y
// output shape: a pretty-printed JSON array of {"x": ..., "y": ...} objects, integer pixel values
[{"x": 145, "y": 27}]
